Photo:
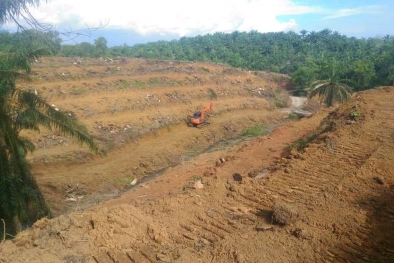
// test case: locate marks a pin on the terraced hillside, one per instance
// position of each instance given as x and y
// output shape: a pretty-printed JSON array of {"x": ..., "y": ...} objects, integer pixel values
[
  {"x": 328, "y": 201},
  {"x": 136, "y": 110}
]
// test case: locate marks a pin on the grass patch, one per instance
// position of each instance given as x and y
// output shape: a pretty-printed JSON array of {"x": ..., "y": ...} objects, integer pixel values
[
  {"x": 138, "y": 84},
  {"x": 280, "y": 104},
  {"x": 126, "y": 180},
  {"x": 255, "y": 131},
  {"x": 301, "y": 144},
  {"x": 124, "y": 85},
  {"x": 196, "y": 178},
  {"x": 153, "y": 81},
  {"x": 294, "y": 116},
  {"x": 76, "y": 90},
  {"x": 212, "y": 94}
]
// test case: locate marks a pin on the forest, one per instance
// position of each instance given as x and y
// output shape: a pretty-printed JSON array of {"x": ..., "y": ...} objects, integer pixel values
[{"x": 363, "y": 63}]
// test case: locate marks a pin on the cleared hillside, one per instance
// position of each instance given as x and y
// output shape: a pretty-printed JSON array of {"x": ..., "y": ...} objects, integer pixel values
[
  {"x": 338, "y": 190},
  {"x": 136, "y": 110}
]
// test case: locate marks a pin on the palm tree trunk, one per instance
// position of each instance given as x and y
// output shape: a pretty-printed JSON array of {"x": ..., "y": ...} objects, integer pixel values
[{"x": 17, "y": 224}]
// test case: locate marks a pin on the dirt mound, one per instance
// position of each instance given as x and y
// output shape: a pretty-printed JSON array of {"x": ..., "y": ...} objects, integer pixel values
[{"x": 339, "y": 186}]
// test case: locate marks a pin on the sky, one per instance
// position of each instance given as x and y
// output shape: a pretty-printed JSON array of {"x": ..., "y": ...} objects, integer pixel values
[{"x": 140, "y": 21}]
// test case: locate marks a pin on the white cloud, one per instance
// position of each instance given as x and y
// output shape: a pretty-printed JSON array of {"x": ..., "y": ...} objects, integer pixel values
[
  {"x": 173, "y": 17},
  {"x": 354, "y": 11}
]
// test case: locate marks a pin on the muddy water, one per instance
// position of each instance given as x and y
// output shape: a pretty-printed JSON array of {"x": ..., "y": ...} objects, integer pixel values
[{"x": 297, "y": 104}]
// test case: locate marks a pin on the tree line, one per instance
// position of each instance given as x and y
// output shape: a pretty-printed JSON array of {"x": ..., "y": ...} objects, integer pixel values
[{"x": 305, "y": 56}]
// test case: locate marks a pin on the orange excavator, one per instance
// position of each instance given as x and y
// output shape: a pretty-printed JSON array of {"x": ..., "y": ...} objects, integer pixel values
[{"x": 198, "y": 119}]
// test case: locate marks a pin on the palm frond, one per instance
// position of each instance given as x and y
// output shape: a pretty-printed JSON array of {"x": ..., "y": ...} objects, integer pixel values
[
  {"x": 9, "y": 10},
  {"x": 330, "y": 91},
  {"x": 7, "y": 74},
  {"x": 14, "y": 62},
  {"x": 39, "y": 52},
  {"x": 38, "y": 111}
]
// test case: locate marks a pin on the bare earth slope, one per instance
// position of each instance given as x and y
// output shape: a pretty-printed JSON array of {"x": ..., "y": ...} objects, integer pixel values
[
  {"x": 136, "y": 109},
  {"x": 339, "y": 190}
]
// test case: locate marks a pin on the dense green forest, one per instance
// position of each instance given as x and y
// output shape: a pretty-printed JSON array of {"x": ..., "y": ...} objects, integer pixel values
[{"x": 305, "y": 56}]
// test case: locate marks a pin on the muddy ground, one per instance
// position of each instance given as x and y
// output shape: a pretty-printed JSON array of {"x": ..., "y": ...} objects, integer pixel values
[{"x": 241, "y": 200}]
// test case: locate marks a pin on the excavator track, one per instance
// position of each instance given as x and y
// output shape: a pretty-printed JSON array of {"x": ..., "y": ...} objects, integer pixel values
[{"x": 202, "y": 125}]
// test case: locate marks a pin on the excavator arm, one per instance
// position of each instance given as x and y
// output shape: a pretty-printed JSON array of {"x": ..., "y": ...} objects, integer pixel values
[{"x": 208, "y": 107}]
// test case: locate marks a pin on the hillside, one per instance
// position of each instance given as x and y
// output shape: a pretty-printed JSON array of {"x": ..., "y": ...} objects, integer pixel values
[
  {"x": 329, "y": 202},
  {"x": 136, "y": 110}
]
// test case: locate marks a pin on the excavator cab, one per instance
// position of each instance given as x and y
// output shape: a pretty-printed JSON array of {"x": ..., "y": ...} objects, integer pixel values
[
  {"x": 198, "y": 119},
  {"x": 197, "y": 114}
]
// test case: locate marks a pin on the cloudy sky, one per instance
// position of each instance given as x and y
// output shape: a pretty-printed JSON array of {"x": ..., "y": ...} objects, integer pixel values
[{"x": 141, "y": 21}]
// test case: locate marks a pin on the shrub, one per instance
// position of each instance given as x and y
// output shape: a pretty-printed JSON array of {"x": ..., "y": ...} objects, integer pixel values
[
  {"x": 294, "y": 116},
  {"x": 301, "y": 144}
]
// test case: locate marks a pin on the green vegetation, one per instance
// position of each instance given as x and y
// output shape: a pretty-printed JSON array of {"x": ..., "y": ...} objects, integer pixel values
[
  {"x": 294, "y": 116},
  {"x": 124, "y": 85},
  {"x": 126, "y": 180},
  {"x": 196, "y": 178},
  {"x": 77, "y": 90},
  {"x": 212, "y": 94},
  {"x": 332, "y": 88},
  {"x": 303, "y": 143},
  {"x": 138, "y": 84},
  {"x": 354, "y": 112},
  {"x": 255, "y": 131},
  {"x": 153, "y": 81}
]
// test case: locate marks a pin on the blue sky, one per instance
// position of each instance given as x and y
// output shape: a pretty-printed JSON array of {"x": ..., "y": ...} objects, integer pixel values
[{"x": 141, "y": 21}]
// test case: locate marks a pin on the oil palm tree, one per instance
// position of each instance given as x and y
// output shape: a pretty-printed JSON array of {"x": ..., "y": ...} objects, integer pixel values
[
  {"x": 20, "y": 110},
  {"x": 332, "y": 88}
]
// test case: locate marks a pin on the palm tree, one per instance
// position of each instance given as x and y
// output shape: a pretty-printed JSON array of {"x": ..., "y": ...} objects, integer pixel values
[
  {"x": 19, "y": 110},
  {"x": 332, "y": 88}
]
